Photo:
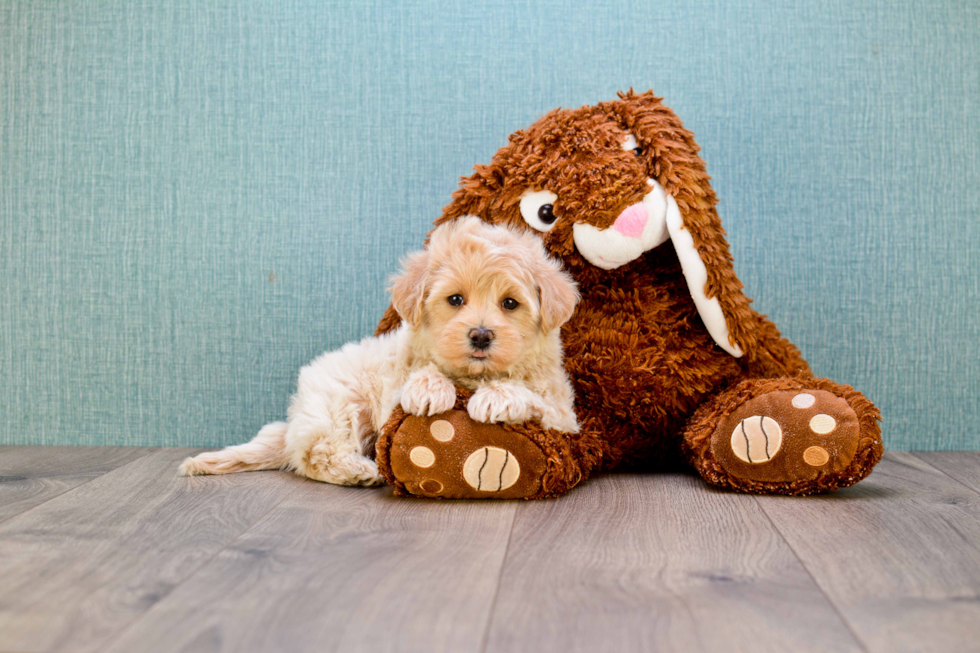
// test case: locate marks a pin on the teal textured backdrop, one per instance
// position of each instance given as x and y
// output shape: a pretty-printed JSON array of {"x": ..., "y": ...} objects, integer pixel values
[{"x": 198, "y": 196}]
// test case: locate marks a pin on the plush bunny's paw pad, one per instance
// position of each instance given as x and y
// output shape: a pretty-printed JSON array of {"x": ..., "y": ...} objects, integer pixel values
[
  {"x": 453, "y": 457},
  {"x": 787, "y": 436}
]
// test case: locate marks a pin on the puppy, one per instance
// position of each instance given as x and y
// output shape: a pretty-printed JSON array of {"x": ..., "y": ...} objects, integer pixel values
[{"x": 481, "y": 306}]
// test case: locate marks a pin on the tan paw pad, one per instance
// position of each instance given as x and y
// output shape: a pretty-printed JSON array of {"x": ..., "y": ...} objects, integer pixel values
[
  {"x": 803, "y": 400},
  {"x": 816, "y": 456},
  {"x": 822, "y": 424},
  {"x": 422, "y": 456},
  {"x": 442, "y": 430},
  {"x": 756, "y": 439},
  {"x": 491, "y": 469},
  {"x": 431, "y": 485}
]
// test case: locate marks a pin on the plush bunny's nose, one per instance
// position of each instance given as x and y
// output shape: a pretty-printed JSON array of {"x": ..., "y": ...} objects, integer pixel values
[{"x": 631, "y": 222}]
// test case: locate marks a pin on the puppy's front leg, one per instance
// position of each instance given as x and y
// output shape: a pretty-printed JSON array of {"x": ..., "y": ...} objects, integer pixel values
[
  {"x": 428, "y": 392},
  {"x": 499, "y": 401}
]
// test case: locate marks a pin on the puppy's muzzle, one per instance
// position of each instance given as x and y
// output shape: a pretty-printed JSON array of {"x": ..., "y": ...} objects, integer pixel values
[{"x": 480, "y": 338}]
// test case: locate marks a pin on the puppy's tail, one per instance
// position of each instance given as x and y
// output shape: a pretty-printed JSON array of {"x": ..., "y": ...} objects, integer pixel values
[{"x": 266, "y": 451}]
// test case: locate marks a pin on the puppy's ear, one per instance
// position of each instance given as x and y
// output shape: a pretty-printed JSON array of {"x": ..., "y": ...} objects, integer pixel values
[
  {"x": 692, "y": 220},
  {"x": 408, "y": 287},
  {"x": 559, "y": 295}
]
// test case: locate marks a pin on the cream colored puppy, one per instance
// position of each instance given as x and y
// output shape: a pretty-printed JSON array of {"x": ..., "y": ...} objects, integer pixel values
[{"x": 481, "y": 307}]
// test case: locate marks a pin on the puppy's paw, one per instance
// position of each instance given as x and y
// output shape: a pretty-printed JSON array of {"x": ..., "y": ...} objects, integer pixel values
[
  {"x": 427, "y": 393},
  {"x": 501, "y": 402},
  {"x": 355, "y": 469},
  {"x": 327, "y": 464}
]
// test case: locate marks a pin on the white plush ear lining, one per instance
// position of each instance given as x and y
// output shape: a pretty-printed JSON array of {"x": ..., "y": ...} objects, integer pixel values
[{"x": 696, "y": 275}]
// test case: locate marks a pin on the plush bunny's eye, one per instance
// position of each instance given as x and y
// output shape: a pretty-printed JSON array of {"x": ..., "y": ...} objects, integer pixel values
[
  {"x": 538, "y": 209},
  {"x": 632, "y": 146}
]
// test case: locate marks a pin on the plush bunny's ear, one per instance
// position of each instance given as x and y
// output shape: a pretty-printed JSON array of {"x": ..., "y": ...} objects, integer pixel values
[
  {"x": 696, "y": 274},
  {"x": 692, "y": 220}
]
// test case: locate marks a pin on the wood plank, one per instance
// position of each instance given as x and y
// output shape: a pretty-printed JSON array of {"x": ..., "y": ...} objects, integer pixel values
[
  {"x": 639, "y": 562},
  {"x": 82, "y": 566},
  {"x": 341, "y": 569},
  {"x": 898, "y": 554},
  {"x": 964, "y": 466},
  {"x": 29, "y": 476}
]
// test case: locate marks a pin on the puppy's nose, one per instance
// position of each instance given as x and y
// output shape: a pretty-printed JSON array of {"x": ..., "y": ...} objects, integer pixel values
[{"x": 480, "y": 337}]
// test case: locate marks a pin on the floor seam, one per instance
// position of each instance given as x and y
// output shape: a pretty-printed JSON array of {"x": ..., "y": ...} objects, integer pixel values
[
  {"x": 105, "y": 644},
  {"x": 83, "y": 484},
  {"x": 496, "y": 590},
  {"x": 844, "y": 620},
  {"x": 915, "y": 454}
]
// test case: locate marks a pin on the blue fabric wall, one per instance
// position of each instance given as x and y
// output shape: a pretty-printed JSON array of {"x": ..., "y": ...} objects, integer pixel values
[{"x": 196, "y": 197}]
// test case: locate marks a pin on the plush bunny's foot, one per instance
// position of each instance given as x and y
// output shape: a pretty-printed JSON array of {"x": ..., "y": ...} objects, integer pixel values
[
  {"x": 786, "y": 436},
  {"x": 452, "y": 456}
]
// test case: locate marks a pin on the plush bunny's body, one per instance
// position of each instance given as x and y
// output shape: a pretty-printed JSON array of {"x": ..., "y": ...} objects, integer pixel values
[{"x": 667, "y": 358}]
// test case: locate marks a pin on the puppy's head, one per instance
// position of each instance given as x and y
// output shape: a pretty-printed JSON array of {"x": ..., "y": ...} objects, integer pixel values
[{"x": 481, "y": 298}]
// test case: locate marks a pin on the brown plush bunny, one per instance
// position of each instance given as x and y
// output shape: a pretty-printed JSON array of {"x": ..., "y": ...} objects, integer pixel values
[{"x": 667, "y": 358}]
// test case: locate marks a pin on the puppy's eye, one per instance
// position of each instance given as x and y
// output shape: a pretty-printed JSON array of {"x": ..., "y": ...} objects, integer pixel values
[
  {"x": 455, "y": 300},
  {"x": 538, "y": 209},
  {"x": 509, "y": 304}
]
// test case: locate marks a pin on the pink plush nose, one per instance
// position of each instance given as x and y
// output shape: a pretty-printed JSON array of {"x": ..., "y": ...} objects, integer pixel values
[{"x": 630, "y": 222}]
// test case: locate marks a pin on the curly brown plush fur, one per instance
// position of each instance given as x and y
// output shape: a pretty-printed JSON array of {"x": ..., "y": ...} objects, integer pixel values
[{"x": 652, "y": 386}]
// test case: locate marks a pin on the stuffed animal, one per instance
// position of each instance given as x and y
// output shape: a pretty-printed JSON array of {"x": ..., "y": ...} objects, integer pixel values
[{"x": 668, "y": 361}]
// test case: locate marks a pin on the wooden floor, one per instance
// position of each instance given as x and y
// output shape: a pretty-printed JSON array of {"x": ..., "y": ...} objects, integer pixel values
[{"x": 107, "y": 549}]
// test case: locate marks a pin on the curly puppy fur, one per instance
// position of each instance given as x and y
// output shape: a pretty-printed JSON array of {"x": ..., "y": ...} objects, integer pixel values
[
  {"x": 481, "y": 308},
  {"x": 638, "y": 348}
]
